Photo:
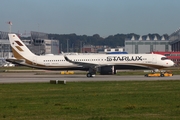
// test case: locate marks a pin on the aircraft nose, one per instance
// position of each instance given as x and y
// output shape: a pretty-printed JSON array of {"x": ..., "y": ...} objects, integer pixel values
[{"x": 171, "y": 63}]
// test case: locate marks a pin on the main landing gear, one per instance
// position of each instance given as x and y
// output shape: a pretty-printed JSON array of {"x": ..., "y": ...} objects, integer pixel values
[{"x": 91, "y": 73}]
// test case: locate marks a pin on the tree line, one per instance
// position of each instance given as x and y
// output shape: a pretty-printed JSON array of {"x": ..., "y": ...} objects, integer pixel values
[{"x": 75, "y": 42}]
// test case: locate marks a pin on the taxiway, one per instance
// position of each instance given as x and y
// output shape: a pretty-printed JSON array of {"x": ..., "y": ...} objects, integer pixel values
[{"x": 32, "y": 77}]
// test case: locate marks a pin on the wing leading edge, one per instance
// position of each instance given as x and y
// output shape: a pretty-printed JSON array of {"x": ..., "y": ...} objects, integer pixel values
[{"x": 82, "y": 64}]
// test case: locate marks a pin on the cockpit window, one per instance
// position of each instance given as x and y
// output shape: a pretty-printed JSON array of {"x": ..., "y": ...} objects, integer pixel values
[{"x": 164, "y": 58}]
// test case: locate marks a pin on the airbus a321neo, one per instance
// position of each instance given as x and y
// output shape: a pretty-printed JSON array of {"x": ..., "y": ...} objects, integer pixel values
[{"x": 103, "y": 63}]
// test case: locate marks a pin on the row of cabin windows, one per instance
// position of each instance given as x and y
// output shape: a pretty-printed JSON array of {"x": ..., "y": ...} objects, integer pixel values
[{"x": 74, "y": 60}]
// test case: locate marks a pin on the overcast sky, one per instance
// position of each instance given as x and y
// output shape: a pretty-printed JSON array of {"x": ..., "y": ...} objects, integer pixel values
[{"x": 88, "y": 17}]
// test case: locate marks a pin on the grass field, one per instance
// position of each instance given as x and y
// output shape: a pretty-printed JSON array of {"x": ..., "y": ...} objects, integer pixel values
[{"x": 90, "y": 101}]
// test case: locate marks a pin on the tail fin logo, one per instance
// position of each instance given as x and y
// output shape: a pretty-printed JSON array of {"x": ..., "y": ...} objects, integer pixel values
[
  {"x": 18, "y": 47},
  {"x": 19, "y": 43}
]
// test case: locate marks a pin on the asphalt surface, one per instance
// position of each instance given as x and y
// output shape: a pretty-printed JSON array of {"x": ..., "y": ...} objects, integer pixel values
[{"x": 32, "y": 77}]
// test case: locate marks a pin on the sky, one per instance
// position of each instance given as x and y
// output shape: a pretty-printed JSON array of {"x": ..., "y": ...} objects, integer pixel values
[{"x": 89, "y": 17}]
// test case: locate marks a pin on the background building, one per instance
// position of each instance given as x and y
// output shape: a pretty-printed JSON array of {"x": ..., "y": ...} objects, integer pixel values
[
  {"x": 147, "y": 45},
  {"x": 113, "y": 50},
  {"x": 40, "y": 44},
  {"x": 175, "y": 40},
  {"x": 88, "y": 49},
  {"x": 5, "y": 50}
]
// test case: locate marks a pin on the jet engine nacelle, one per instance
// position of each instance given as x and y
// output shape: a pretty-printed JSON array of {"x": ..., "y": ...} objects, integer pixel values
[{"x": 107, "y": 70}]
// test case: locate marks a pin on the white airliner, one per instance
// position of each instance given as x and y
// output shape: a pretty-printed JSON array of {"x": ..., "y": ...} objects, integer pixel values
[{"x": 104, "y": 63}]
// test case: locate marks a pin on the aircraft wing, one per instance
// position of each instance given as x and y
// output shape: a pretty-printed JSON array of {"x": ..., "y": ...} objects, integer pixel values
[{"x": 83, "y": 64}]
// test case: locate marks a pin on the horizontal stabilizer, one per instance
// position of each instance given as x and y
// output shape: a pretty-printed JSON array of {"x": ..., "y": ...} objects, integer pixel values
[{"x": 16, "y": 61}]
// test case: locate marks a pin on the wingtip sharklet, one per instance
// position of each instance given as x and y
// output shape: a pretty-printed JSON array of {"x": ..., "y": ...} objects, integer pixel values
[{"x": 66, "y": 58}]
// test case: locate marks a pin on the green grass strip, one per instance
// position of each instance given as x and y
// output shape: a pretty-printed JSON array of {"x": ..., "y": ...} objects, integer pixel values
[{"x": 91, "y": 101}]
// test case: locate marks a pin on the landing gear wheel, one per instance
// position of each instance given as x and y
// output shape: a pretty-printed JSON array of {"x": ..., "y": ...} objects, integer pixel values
[
  {"x": 89, "y": 75},
  {"x": 146, "y": 75},
  {"x": 162, "y": 75}
]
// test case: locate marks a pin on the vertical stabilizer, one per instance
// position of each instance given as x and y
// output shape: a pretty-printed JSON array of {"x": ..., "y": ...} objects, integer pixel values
[{"x": 19, "y": 49}]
